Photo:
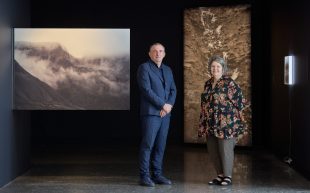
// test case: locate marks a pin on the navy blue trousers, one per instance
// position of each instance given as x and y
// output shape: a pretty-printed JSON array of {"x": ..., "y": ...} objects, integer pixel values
[{"x": 154, "y": 136}]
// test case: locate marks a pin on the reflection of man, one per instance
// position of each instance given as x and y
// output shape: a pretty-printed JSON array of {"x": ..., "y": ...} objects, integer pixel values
[{"x": 158, "y": 93}]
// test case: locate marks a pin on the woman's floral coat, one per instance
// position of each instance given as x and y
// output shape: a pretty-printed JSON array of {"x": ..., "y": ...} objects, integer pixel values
[{"x": 220, "y": 108}]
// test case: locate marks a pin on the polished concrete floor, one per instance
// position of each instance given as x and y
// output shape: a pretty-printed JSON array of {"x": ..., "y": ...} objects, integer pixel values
[{"x": 115, "y": 170}]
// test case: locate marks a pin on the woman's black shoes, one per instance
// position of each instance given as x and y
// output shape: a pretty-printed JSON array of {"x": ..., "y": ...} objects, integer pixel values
[
  {"x": 226, "y": 181},
  {"x": 222, "y": 181},
  {"x": 216, "y": 181}
]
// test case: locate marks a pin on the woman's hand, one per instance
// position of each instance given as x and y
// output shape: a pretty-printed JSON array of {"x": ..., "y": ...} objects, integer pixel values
[{"x": 202, "y": 131}]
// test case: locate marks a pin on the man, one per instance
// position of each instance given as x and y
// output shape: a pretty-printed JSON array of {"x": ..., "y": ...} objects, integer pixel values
[{"x": 158, "y": 93}]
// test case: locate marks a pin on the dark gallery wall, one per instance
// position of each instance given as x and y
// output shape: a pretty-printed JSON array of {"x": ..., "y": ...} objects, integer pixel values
[
  {"x": 290, "y": 104},
  {"x": 159, "y": 21},
  {"x": 14, "y": 126},
  {"x": 152, "y": 23},
  {"x": 279, "y": 111}
]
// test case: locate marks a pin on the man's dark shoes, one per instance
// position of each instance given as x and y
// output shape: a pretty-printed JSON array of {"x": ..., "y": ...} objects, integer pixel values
[
  {"x": 161, "y": 180},
  {"x": 146, "y": 181}
]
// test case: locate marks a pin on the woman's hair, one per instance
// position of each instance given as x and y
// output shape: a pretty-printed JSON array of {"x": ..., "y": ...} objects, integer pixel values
[{"x": 219, "y": 60}]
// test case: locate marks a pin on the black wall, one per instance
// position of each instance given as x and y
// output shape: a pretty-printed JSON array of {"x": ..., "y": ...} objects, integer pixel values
[
  {"x": 14, "y": 126},
  {"x": 149, "y": 24},
  {"x": 290, "y": 104},
  {"x": 160, "y": 21},
  {"x": 279, "y": 112},
  {"x": 277, "y": 30}
]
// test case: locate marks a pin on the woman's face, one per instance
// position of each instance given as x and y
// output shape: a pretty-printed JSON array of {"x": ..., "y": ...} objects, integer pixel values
[{"x": 216, "y": 70}]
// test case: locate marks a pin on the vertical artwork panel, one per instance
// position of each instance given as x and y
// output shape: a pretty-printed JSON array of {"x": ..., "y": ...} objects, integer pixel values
[
  {"x": 71, "y": 69},
  {"x": 208, "y": 31}
]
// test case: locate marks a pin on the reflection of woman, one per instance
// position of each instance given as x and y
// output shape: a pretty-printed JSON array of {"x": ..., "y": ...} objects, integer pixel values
[{"x": 221, "y": 119}]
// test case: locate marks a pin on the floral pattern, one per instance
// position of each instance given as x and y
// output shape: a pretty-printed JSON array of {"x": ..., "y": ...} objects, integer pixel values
[{"x": 220, "y": 109}]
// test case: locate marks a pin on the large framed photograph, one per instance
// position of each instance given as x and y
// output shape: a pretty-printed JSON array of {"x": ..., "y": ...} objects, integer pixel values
[
  {"x": 71, "y": 69},
  {"x": 208, "y": 31}
]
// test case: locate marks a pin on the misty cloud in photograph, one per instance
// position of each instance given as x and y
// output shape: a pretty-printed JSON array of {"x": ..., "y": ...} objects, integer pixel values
[{"x": 47, "y": 76}]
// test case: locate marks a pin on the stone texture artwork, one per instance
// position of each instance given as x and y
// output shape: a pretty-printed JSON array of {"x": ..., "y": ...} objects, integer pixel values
[{"x": 208, "y": 31}]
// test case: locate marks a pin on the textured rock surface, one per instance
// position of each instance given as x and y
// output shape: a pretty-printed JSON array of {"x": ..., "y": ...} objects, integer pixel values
[{"x": 208, "y": 31}]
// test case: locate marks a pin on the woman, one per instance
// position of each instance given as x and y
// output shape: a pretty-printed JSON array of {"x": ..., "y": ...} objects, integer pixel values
[{"x": 221, "y": 119}]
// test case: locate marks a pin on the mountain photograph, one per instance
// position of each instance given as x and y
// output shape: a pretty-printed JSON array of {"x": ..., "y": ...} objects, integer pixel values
[{"x": 56, "y": 73}]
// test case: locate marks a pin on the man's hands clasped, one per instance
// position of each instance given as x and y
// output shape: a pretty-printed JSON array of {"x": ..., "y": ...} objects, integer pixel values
[{"x": 165, "y": 110}]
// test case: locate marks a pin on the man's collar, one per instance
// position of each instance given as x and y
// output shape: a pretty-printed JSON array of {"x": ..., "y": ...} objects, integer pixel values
[{"x": 160, "y": 66}]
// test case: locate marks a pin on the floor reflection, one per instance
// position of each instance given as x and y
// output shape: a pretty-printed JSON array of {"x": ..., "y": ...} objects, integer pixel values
[{"x": 116, "y": 171}]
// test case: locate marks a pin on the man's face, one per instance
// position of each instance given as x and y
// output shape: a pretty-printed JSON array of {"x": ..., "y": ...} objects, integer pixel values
[{"x": 157, "y": 53}]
